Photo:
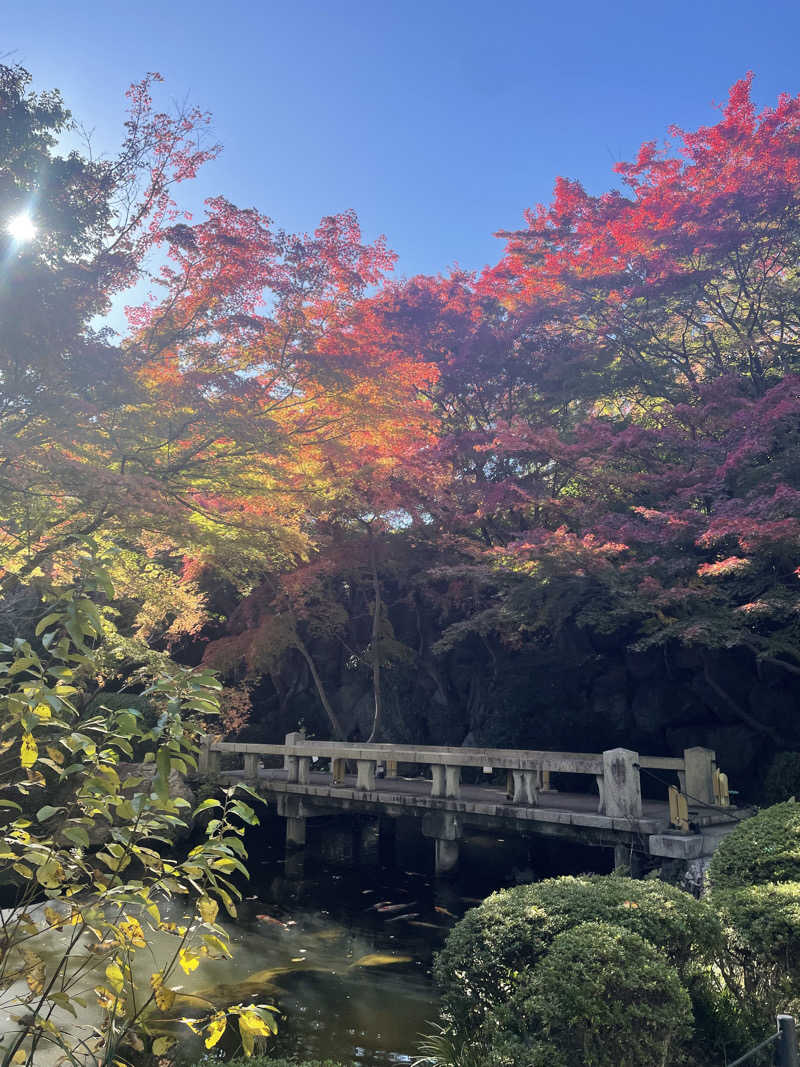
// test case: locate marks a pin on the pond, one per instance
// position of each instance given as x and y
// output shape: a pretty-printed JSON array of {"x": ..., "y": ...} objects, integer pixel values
[{"x": 342, "y": 940}]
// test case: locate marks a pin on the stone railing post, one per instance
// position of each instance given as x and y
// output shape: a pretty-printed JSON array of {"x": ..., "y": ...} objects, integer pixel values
[
  {"x": 437, "y": 780},
  {"x": 700, "y": 764},
  {"x": 297, "y": 737},
  {"x": 621, "y": 787},
  {"x": 204, "y": 755},
  {"x": 208, "y": 761},
  {"x": 366, "y": 774},
  {"x": 251, "y": 768}
]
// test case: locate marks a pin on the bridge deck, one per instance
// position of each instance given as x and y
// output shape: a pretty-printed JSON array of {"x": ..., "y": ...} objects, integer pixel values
[{"x": 476, "y": 803}]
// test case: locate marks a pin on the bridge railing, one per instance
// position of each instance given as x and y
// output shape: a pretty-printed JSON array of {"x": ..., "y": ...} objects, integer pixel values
[{"x": 617, "y": 772}]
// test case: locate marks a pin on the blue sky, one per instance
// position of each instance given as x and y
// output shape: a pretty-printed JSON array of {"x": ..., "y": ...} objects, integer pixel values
[{"x": 438, "y": 121}]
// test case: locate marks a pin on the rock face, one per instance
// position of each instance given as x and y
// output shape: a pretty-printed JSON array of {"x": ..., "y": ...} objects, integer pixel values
[{"x": 567, "y": 696}]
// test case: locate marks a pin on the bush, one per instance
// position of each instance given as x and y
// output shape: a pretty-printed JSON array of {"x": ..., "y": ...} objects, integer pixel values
[
  {"x": 764, "y": 848},
  {"x": 509, "y": 933},
  {"x": 762, "y": 957},
  {"x": 782, "y": 780},
  {"x": 601, "y": 996}
]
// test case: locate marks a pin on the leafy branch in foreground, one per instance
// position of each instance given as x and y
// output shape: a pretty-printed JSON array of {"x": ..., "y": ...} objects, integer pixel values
[{"x": 94, "y": 866}]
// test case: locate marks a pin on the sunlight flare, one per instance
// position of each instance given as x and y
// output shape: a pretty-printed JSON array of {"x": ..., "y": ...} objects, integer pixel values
[{"x": 21, "y": 228}]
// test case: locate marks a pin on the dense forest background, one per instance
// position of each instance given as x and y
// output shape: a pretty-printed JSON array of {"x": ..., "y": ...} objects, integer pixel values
[{"x": 555, "y": 504}]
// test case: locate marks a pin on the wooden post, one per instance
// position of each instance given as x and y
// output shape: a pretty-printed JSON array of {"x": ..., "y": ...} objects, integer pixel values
[
  {"x": 337, "y": 770},
  {"x": 391, "y": 768}
]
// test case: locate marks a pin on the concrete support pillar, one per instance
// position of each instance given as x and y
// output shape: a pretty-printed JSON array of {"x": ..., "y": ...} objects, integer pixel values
[
  {"x": 700, "y": 765},
  {"x": 303, "y": 769},
  {"x": 387, "y": 840},
  {"x": 208, "y": 762},
  {"x": 446, "y": 830},
  {"x": 337, "y": 771},
  {"x": 366, "y": 842},
  {"x": 295, "y": 832},
  {"x": 622, "y": 789},
  {"x": 251, "y": 768},
  {"x": 391, "y": 768},
  {"x": 292, "y": 767},
  {"x": 366, "y": 774}
]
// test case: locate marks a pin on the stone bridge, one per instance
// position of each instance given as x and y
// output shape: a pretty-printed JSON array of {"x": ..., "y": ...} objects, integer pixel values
[{"x": 685, "y": 821}]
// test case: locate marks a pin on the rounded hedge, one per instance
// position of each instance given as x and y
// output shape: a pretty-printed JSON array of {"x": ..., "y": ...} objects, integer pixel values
[
  {"x": 782, "y": 779},
  {"x": 764, "y": 848},
  {"x": 601, "y": 996},
  {"x": 479, "y": 968}
]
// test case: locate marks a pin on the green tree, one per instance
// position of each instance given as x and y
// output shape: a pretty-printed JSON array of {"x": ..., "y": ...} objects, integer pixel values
[{"x": 90, "y": 845}]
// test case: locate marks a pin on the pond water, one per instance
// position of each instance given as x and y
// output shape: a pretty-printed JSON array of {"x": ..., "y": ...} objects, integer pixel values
[{"x": 341, "y": 938}]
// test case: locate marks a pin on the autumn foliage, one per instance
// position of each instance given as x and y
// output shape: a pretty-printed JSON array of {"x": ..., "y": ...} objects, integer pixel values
[{"x": 599, "y": 433}]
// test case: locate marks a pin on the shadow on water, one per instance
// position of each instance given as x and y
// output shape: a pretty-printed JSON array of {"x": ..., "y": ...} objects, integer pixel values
[{"x": 341, "y": 937}]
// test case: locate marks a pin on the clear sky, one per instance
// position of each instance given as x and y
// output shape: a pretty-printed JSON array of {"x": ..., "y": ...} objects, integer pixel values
[{"x": 439, "y": 121}]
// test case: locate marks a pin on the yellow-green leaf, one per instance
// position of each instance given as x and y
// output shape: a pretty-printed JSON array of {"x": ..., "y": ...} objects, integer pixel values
[
  {"x": 29, "y": 752},
  {"x": 216, "y": 1028},
  {"x": 115, "y": 976},
  {"x": 208, "y": 909}
]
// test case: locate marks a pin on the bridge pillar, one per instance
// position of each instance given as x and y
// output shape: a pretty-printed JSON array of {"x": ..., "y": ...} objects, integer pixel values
[
  {"x": 295, "y": 832},
  {"x": 387, "y": 840},
  {"x": 622, "y": 788},
  {"x": 446, "y": 830},
  {"x": 700, "y": 765}
]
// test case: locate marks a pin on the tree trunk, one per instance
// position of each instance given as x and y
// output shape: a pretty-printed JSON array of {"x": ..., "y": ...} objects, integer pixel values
[
  {"x": 336, "y": 726},
  {"x": 376, "y": 643}
]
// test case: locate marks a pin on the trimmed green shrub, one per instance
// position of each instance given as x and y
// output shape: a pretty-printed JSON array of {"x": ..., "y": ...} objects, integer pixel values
[
  {"x": 480, "y": 965},
  {"x": 762, "y": 957},
  {"x": 764, "y": 848},
  {"x": 782, "y": 780},
  {"x": 601, "y": 996}
]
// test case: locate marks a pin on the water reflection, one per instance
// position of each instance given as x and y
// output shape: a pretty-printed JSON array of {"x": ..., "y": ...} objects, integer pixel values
[{"x": 342, "y": 939}]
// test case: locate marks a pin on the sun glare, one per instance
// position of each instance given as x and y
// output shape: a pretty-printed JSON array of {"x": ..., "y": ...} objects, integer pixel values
[{"x": 21, "y": 228}]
